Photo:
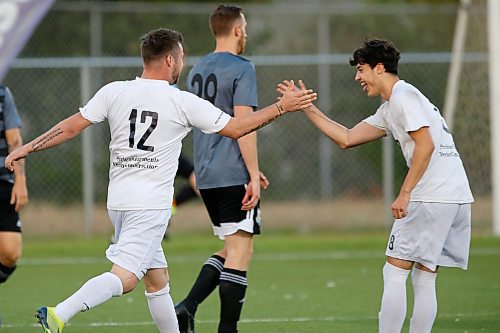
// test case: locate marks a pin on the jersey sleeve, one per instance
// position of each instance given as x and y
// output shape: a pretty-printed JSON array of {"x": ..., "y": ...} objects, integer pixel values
[
  {"x": 11, "y": 117},
  {"x": 408, "y": 109},
  {"x": 202, "y": 114},
  {"x": 377, "y": 120},
  {"x": 96, "y": 110},
  {"x": 245, "y": 88}
]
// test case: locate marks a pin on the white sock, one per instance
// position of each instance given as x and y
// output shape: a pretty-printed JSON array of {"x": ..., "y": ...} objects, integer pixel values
[
  {"x": 162, "y": 310},
  {"x": 393, "y": 308},
  {"x": 425, "y": 304},
  {"x": 94, "y": 292}
]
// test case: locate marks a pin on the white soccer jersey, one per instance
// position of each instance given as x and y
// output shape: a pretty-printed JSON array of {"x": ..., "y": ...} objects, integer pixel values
[
  {"x": 408, "y": 110},
  {"x": 148, "y": 120}
]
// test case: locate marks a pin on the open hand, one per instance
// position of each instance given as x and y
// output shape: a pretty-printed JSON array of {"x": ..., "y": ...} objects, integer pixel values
[{"x": 295, "y": 98}]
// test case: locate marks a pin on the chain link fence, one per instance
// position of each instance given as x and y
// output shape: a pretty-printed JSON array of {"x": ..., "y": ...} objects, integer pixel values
[{"x": 287, "y": 40}]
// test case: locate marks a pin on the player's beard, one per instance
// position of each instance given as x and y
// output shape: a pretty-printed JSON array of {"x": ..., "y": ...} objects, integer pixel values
[
  {"x": 241, "y": 44},
  {"x": 175, "y": 79},
  {"x": 175, "y": 75}
]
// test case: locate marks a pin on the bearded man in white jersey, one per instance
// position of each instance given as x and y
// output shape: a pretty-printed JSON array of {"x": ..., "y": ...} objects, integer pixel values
[
  {"x": 433, "y": 207},
  {"x": 148, "y": 118}
]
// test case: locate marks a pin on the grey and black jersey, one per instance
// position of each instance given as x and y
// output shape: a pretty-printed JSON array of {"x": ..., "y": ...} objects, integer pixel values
[
  {"x": 9, "y": 118},
  {"x": 225, "y": 80}
]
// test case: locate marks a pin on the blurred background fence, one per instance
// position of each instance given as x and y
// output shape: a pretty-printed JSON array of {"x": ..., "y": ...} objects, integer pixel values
[{"x": 82, "y": 45}]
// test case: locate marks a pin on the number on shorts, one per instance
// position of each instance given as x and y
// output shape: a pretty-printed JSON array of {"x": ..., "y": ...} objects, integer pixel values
[{"x": 391, "y": 242}]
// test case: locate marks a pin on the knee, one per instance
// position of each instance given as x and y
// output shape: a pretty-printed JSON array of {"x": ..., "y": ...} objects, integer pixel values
[
  {"x": 153, "y": 294},
  {"x": 250, "y": 252},
  {"x": 10, "y": 258},
  {"x": 129, "y": 283},
  {"x": 249, "y": 255},
  {"x": 156, "y": 279}
]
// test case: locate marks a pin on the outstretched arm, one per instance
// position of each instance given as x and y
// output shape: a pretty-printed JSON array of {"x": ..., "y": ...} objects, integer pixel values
[
  {"x": 63, "y": 131},
  {"x": 341, "y": 135},
  {"x": 292, "y": 100}
]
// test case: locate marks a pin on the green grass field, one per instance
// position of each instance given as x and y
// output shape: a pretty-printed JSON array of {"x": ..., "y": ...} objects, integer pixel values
[{"x": 297, "y": 283}]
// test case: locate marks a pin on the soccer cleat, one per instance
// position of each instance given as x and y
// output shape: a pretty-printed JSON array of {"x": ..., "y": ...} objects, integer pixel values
[
  {"x": 49, "y": 321},
  {"x": 184, "y": 318}
]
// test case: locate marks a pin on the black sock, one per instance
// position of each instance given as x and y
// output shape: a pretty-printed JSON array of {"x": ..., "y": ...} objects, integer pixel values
[
  {"x": 185, "y": 194},
  {"x": 5, "y": 272},
  {"x": 232, "y": 288},
  {"x": 206, "y": 282}
]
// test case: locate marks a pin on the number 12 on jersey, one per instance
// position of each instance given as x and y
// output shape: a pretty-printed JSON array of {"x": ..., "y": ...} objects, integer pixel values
[{"x": 133, "y": 119}]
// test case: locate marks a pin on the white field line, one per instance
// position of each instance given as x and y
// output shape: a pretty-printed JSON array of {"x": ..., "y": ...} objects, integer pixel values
[
  {"x": 334, "y": 255},
  {"x": 455, "y": 316}
]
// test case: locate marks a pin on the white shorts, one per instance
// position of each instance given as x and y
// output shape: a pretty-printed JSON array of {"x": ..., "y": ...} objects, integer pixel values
[
  {"x": 230, "y": 228},
  {"x": 432, "y": 234},
  {"x": 138, "y": 237}
]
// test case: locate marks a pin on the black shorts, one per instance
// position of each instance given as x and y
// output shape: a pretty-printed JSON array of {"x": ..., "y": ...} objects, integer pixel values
[
  {"x": 185, "y": 167},
  {"x": 9, "y": 218},
  {"x": 224, "y": 207}
]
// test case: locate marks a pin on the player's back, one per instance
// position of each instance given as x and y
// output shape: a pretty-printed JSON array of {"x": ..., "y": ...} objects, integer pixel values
[
  {"x": 147, "y": 125},
  {"x": 225, "y": 80}
]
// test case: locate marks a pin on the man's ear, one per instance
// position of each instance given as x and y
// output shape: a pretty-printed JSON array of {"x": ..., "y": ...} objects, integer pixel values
[
  {"x": 170, "y": 60},
  {"x": 380, "y": 68},
  {"x": 237, "y": 30}
]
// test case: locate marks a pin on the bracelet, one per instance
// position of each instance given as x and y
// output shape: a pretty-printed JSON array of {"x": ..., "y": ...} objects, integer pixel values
[{"x": 280, "y": 109}]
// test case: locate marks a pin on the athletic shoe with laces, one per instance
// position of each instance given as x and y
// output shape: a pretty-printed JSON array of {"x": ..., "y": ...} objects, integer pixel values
[
  {"x": 184, "y": 318},
  {"x": 49, "y": 320}
]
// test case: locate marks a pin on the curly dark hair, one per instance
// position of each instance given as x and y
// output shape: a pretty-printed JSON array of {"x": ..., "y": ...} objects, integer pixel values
[{"x": 377, "y": 51}]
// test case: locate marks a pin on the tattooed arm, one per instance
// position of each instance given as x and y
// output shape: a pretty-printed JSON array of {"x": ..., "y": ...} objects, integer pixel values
[
  {"x": 291, "y": 100},
  {"x": 65, "y": 130}
]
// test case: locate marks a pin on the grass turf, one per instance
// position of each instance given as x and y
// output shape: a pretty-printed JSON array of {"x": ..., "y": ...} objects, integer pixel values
[{"x": 297, "y": 283}]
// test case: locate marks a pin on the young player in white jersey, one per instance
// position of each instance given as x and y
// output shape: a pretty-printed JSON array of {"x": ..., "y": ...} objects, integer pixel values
[
  {"x": 148, "y": 119},
  {"x": 433, "y": 207}
]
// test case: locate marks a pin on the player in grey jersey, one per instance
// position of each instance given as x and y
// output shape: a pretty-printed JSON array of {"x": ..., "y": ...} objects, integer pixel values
[
  {"x": 227, "y": 171},
  {"x": 433, "y": 207},
  {"x": 148, "y": 118},
  {"x": 13, "y": 190}
]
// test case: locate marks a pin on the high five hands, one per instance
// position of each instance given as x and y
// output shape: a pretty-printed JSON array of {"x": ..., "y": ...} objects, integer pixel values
[
  {"x": 299, "y": 98},
  {"x": 290, "y": 85}
]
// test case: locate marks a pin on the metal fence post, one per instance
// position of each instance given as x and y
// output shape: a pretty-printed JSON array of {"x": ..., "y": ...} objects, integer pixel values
[
  {"x": 324, "y": 80},
  {"x": 87, "y": 157}
]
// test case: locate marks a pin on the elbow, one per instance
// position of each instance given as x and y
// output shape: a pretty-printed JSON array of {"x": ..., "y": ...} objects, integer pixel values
[
  {"x": 231, "y": 132},
  {"x": 430, "y": 149},
  {"x": 235, "y": 135},
  {"x": 344, "y": 145}
]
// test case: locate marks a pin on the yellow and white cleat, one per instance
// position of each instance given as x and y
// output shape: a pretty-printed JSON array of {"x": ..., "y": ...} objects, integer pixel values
[{"x": 49, "y": 321}]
